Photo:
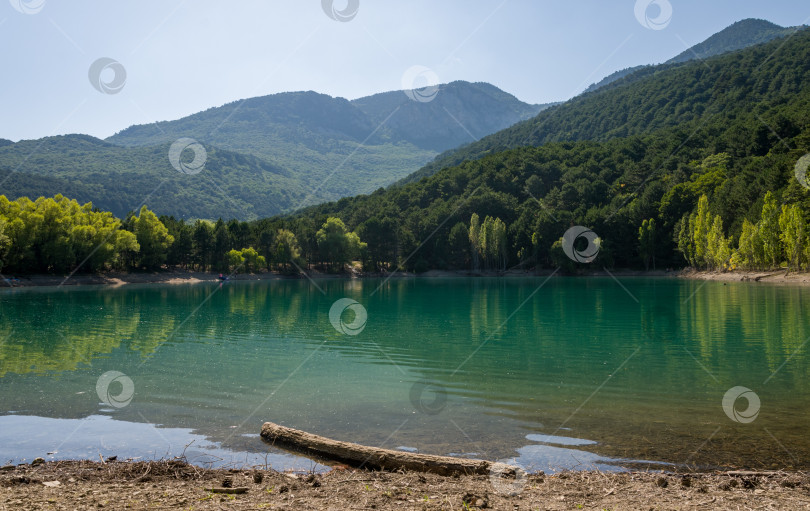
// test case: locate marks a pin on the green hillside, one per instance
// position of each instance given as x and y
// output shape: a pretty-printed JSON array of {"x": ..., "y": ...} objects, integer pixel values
[
  {"x": 266, "y": 155},
  {"x": 731, "y": 128},
  {"x": 649, "y": 98},
  {"x": 120, "y": 179},
  {"x": 742, "y": 34},
  {"x": 713, "y": 185},
  {"x": 334, "y": 147},
  {"x": 737, "y": 36}
]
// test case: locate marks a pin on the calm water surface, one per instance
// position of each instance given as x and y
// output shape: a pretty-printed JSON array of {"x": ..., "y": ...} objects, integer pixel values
[{"x": 551, "y": 374}]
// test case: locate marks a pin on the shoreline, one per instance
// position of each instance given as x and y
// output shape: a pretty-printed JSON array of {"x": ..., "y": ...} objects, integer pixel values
[
  {"x": 779, "y": 277},
  {"x": 112, "y": 484}
]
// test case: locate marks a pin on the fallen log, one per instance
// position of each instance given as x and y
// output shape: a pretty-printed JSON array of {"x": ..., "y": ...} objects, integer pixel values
[{"x": 376, "y": 458}]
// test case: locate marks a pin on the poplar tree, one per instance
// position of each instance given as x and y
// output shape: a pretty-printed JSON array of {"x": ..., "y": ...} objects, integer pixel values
[
  {"x": 769, "y": 231},
  {"x": 718, "y": 252},
  {"x": 792, "y": 233},
  {"x": 701, "y": 225},
  {"x": 475, "y": 239},
  {"x": 746, "y": 254}
]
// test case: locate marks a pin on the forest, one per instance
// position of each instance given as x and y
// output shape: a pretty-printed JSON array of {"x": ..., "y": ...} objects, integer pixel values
[
  {"x": 58, "y": 235},
  {"x": 700, "y": 164}
]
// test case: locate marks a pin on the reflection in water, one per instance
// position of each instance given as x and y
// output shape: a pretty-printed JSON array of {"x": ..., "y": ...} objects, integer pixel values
[
  {"x": 105, "y": 437},
  {"x": 559, "y": 440},
  {"x": 639, "y": 369}
]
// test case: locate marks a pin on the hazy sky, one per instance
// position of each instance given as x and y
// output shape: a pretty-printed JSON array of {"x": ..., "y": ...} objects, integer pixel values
[{"x": 181, "y": 57}]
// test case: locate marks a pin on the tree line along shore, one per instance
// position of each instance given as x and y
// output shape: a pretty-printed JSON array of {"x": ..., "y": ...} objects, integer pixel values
[{"x": 59, "y": 236}]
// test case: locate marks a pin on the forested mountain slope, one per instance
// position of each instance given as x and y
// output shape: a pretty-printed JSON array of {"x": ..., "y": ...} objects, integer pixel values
[
  {"x": 731, "y": 128},
  {"x": 647, "y": 99}
]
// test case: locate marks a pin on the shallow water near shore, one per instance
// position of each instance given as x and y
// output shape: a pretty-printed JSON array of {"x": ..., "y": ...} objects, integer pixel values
[{"x": 550, "y": 373}]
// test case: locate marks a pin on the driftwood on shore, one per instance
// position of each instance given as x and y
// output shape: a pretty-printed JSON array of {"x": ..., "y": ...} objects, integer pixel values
[{"x": 362, "y": 456}]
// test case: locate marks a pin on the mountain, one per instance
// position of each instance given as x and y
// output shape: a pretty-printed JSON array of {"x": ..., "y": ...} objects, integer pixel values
[
  {"x": 118, "y": 179},
  {"x": 335, "y": 147},
  {"x": 459, "y": 113},
  {"x": 737, "y": 36},
  {"x": 649, "y": 98},
  {"x": 266, "y": 155},
  {"x": 731, "y": 127}
]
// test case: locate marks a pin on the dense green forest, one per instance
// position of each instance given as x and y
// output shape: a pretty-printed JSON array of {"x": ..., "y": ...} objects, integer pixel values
[
  {"x": 59, "y": 235},
  {"x": 119, "y": 179},
  {"x": 731, "y": 128},
  {"x": 736, "y": 36},
  {"x": 687, "y": 95},
  {"x": 739, "y": 35},
  {"x": 690, "y": 164}
]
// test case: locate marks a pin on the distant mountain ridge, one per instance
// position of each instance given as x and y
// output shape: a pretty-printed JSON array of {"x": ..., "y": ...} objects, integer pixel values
[
  {"x": 266, "y": 155},
  {"x": 454, "y": 117},
  {"x": 739, "y": 35},
  {"x": 736, "y": 36},
  {"x": 338, "y": 147}
]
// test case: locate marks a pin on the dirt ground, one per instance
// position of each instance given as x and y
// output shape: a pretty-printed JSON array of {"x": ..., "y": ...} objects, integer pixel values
[
  {"x": 174, "y": 484},
  {"x": 190, "y": 277},
  {"x": 762, "y": 277}
]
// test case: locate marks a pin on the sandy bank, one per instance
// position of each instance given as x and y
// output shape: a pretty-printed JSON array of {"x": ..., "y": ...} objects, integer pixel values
[
  {"x": 759, "y": 277},
  {"x": 189, "y": 277}
]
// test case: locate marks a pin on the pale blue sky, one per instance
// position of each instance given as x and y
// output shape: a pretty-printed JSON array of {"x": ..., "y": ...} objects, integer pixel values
[{"x": 181, "y": 57}]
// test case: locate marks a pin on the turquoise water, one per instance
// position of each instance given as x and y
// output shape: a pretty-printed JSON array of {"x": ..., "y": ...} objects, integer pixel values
[{"x": 559, "y": 373}]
